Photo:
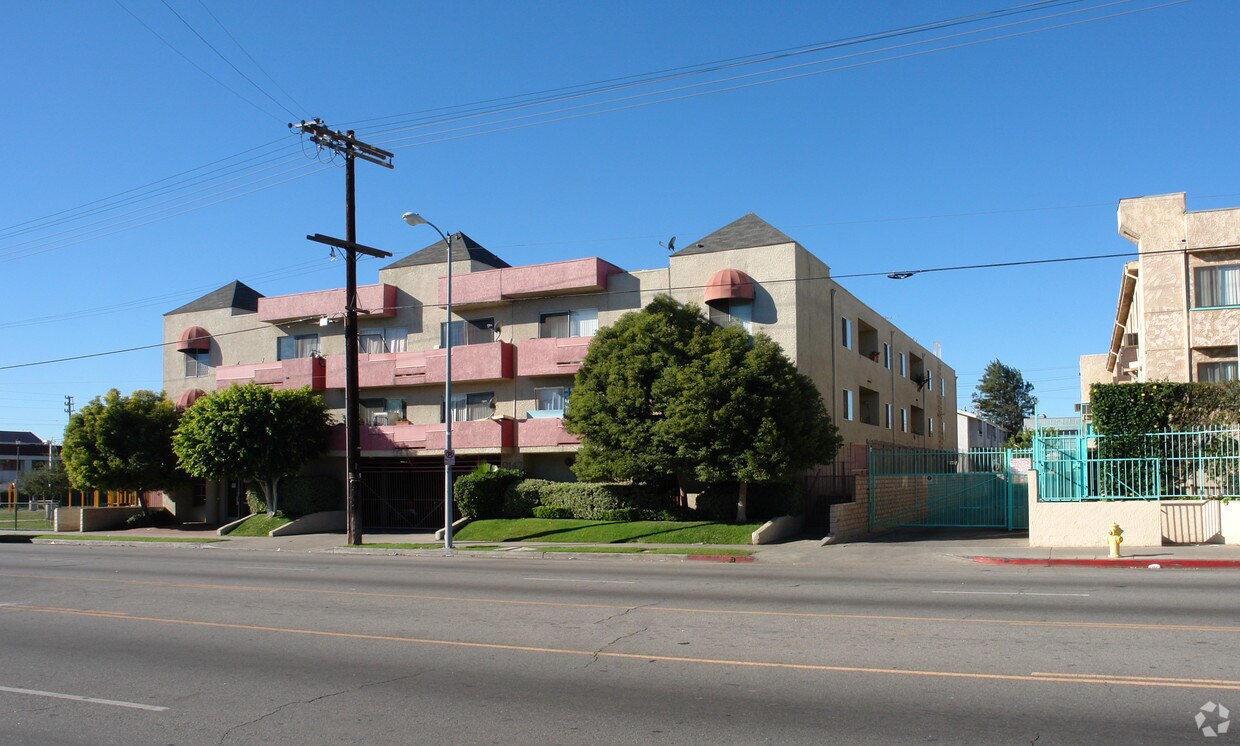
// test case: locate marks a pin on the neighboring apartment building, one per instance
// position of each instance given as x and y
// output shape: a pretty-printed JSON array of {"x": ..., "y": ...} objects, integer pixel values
[
  {"x": 1178, "y": 316},
  {"x": 1068, "y": 426},
  {"x": 974, "y": 433},
  {"x": 518, "y": 336},
  {"x": 22, "y": 452}
]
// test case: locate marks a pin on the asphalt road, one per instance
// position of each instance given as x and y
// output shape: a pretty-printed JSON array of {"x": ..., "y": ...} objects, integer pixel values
[{"x": 152, "y": 644}]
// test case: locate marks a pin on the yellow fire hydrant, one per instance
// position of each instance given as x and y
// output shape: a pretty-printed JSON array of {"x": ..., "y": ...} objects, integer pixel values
[{"x": 1115, "y": 537}]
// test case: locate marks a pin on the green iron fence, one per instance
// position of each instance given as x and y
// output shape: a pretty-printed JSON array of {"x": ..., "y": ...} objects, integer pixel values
[
  {"x": 937, "y": 488},
  {"x": 1147, "y": 466}
]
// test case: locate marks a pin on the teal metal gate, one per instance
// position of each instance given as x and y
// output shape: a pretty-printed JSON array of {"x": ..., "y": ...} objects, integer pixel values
[{"x": 949, "y": 489}]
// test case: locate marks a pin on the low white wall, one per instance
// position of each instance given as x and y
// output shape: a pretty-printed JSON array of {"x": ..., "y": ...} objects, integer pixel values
[
  {"x": 1085, "y": 524},
  {"x": 315, "y": 523},
  {"x": 1230, "y": 522},
  {"x": 1192, "y": 522},
  {"x": 68, "y": 519},
  {"x": 777, "y": 529}
]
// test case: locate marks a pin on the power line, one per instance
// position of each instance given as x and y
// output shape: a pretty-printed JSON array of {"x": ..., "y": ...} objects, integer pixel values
[
  {"x": 195, "y": 64},
  {"x": 250, "y": 57},
  {"x": 220, "y": 54}
]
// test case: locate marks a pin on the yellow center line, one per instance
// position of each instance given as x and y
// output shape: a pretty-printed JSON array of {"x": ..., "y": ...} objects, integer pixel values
[
  {"x": 1036, "y": 677},
  {"x": 613, "y": 607}
]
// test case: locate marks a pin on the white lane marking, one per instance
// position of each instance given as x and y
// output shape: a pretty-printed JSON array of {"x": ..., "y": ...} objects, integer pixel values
[
  {"x": 584, "y": 580},
  {"x": 1012, "y": 593},
  {"x": 276, "y": 567},
  {"x": 77, "y": 698}
]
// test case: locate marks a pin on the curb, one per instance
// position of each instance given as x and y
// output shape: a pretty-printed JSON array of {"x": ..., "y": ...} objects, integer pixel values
[{"x": 1122, "y": 562}]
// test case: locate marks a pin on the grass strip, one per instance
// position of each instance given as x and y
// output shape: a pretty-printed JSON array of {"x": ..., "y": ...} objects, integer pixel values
[
  {"x": 164, "y": 539},
  {"x": 260, "y": 525},
  {"x": 646, "y": 550},
  {"x": 607, "y": 532}
]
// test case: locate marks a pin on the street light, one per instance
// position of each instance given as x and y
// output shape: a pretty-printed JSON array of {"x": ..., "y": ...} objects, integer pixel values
[{"x": 449, "y": 458}]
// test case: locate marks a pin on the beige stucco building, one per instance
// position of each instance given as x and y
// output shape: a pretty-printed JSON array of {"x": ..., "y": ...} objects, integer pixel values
[
  {"x": 1178, "y": 315},
  {"x": 518, "y": 336}
]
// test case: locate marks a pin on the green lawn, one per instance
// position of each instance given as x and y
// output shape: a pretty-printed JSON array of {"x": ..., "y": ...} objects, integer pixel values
[
  {"x": 472, "y": 547},
  {"x": 650, "y": 550},
  {"x": 28, "y": 519},
  {"x": 259, "y": 525},
  {"x": 607, "y": 532}
]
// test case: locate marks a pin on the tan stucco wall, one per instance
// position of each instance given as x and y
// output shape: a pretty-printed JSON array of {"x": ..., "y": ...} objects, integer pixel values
[
  {"x": 1085, "y": 524},
  {"x": 1093, "y": 370}
]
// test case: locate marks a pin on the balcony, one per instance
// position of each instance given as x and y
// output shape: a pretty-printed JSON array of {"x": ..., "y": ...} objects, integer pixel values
[
  {"x": 551, "y": 357},
  {"x": 544, "y": 432},
  {"x": 283, "y": 374},
  {"x": 472, "y": 435},
  {"x": 373, "y": 301},
  {"x": 484, "y": 362},
  {"x": 494, "y": 286}
]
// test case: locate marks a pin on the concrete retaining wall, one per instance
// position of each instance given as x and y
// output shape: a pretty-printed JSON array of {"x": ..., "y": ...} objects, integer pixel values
[
  {"x": 92, "y": 519},
  {"x": 326, "y": 522},
  {"x": 1085, "y": 524},
  {"x": 1229, "y": 521},
  {"x": 778, "y": 529}
]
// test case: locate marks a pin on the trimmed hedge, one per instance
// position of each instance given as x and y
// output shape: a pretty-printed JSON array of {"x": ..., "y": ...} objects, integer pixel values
[
  {"x": 586, "y": 500},
  {"x": 300, "y": 495},
  {"x": 1135, "y": 408},
  {"x": 481, "y": 493},
  {"x": 542, "y": 511}
]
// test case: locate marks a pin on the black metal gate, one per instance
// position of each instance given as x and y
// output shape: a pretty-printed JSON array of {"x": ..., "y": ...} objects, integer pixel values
[{"x": 405, "y": 494}]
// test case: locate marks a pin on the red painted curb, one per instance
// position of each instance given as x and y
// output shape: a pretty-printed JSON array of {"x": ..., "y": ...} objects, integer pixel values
[
  {"x": 730, "y": 558},
  {"x": 1121, "y": 562}
]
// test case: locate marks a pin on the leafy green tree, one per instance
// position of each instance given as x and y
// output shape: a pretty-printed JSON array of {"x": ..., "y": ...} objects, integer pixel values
[
  {"x": 668, "y": 393},
  {"x": 1004, "y": 397},
  {"x": 122, "y": 443},
  {"x": 252, "y": 432},
  {"x": 624, "y": 388},
  {"x": 51, "y": 483}
]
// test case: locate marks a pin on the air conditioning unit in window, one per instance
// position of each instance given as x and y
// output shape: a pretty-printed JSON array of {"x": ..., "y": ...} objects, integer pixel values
[{"x": 1130, "y": 340}]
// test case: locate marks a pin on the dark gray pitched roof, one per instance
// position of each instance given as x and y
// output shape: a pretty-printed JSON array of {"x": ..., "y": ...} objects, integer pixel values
[
  {"x": 743, "y": 233},
  {"x": 235, "y": 294},
  {"x": 463, "y": 248},
  {"x": 25, "y": 437}
]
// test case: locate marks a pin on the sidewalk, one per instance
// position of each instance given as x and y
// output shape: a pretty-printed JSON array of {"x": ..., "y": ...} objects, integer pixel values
[{"x": 980, "y": 547}]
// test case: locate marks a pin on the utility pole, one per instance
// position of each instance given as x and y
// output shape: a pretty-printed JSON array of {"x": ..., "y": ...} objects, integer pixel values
[
  {"x": 352, "y": 149},
  {"x": 69, "y": 405}
]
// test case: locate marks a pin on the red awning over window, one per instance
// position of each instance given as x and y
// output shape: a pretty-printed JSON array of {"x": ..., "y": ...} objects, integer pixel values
[
  {"x": 729, "y": 284},
  {"x": 187, "y": 398},
  {"x": 195, "y": 338}
]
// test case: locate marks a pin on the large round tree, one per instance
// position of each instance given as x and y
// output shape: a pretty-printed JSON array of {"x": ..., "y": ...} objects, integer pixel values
[
  {"x": 664, "y": 392},
  {"x": 253, "y": 432}
]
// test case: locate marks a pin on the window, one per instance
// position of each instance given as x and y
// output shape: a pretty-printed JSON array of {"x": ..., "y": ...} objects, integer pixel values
[
  {"x": 1215, "y": 372},
  {"x": 727, "y": 312},
  {"x": 199, "y": 498},
  {"x": 378, "y": 411},
  {"x": 930, "y": 429},
  {"x": 887, "y": 416},
  {"x": 552, "y": 400},
  {"x": 930, "y": 380},
  {"x": 375, "y": 341},
  {"x": 478, "y": 406},
  {"x": 942, "y": 386},
  {"x": 903, "y": 367},
  {"x": 848, "y": 404},
  {"x": 196, "y": 363},
  {"x": 846, "y": 333},
  {"x": 1217, "y": 286},
  {"x": 886, "y": 356},
  {"x": 472, "y": 332},
  {"x": 560, "y": 324},
  {"x": 903, "y": 420},
  {"x": 296, "y": 346}
]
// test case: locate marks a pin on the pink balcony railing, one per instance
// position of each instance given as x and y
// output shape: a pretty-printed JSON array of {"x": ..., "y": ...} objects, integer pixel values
[
  {"x": 476, "y": 435},
  {"x": 551, "y": 357},
  {"x": 373, "y": 301},
  {"x": 283, "y": 374},
  {"x": 544, "y": 432},
  {"x": 482, "y": 362},
  {"x": 530, "y": 281}
]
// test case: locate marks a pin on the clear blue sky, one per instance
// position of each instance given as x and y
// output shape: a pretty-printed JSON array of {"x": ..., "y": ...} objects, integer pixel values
[{"x": 1012, "y": 149}]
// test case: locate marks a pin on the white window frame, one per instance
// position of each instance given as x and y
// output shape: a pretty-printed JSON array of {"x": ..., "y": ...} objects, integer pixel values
[
  {"x": 1216, "y": 286},
  {"x": 552, "y": 392},
  {"x": 846, "y": 332},
  {"x": 888, "y": 415},
  {"x": 848, "y": 405},
  {"x": 887, "y": 356},
  {"x": 197, "y": 363},
  {"x": 903, "y": 420}
]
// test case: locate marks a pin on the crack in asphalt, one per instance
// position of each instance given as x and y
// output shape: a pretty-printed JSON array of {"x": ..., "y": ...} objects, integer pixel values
[
  {"x": 626, "y": 611},
  {"x": 594, "y": 657},
  {"x": 312, "y": 700}
]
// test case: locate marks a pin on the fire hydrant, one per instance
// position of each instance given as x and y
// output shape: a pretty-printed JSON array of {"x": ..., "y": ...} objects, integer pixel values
[{"x": 1115, "y": 537}]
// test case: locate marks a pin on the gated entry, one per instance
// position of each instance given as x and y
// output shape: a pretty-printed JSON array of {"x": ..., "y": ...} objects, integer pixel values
[
  {"x": 929, "y": 488},
  {"x": 405, "y": 495}
]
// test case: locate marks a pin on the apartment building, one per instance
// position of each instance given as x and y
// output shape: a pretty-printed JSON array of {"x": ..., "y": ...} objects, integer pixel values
[
  {"x": 518, "y": 336},
  {"x": 1178, "y": 315},
  {"x": 22, "y": 452},
  {"x": 974, "y": 433}
]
